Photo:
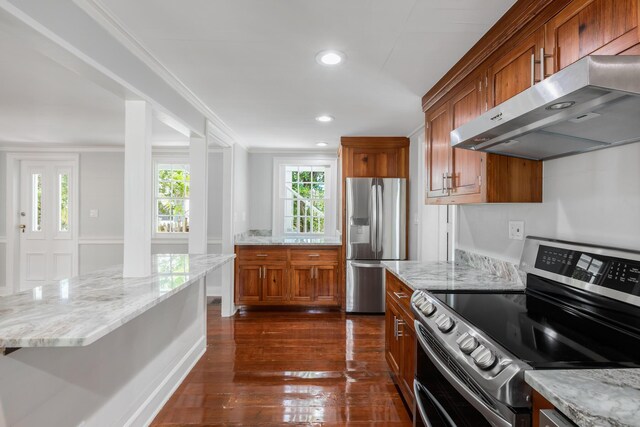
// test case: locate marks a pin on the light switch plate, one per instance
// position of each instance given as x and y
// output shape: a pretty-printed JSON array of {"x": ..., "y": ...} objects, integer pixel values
[
  {"x": 516, "y": 230},
  {"x": 93, "y": 213}
]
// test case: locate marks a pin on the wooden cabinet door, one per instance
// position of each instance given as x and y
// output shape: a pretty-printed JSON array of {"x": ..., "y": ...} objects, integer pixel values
[
  {"x": 375, "y": 162},
  {"x": 438, "y": 146},
  {"x": 274, "y": 285},
  {"x": 465, "y": 164},
  {"x": 512, "y": 73},
  {"x": 585, "y": 27},
  {"x": 301, "y": 283},
  {"x": 326, "y": 284},
  {"x": 408, "y": 363},
  {"x": 392, "y": 341},
  {"x": 248, "y": 283}
]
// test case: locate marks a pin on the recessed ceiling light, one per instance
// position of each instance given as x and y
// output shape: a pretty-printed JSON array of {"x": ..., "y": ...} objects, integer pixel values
[
  {"x": 330, "y": 57},
  {"x": 324, "y": 118},
  {"x": 321, "y": 144}
]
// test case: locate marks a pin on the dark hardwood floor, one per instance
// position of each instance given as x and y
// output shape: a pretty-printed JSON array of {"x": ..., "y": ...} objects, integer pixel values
[{"x": 296, "y": 368}]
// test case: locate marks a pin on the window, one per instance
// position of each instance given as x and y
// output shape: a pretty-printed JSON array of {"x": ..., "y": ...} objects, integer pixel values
[
  {"x": 303, "y": 204},
  {"x": 172, "y": 198}
]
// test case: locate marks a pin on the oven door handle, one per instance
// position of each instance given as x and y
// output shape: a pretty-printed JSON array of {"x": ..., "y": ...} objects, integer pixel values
[
  {"x": 474, "y": 400},
  {"x": 417, "y": 388}
]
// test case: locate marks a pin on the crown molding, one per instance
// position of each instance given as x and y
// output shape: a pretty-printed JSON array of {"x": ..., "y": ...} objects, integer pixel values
[
  {"x": 103, "y": 16},
  {"x": 55, "y": 148},
  {"x": 266, "y": 150}
]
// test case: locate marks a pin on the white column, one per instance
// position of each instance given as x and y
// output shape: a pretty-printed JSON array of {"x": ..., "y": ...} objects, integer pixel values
[
  {"x": 138, "y": 189},
  {"x": 228, "y": 308},
  {"x": 198, "y": 164}
]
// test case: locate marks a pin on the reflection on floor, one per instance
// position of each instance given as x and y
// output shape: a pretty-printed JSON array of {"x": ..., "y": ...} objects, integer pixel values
[{"x": 266, "y": 368}]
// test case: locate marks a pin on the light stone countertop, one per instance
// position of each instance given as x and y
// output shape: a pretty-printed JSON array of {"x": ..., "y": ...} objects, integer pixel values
[
  {"x": 284, "y": 241},
  {"x": 592, "y": 397},
  {"x": 445, "y": 276},
  {"x": 77, "y": 312}
]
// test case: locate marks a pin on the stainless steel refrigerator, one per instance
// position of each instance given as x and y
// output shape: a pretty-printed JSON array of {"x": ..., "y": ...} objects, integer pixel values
[{"x": 375, "y": 231}]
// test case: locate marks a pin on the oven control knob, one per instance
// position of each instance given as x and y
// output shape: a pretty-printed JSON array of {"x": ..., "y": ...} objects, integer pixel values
[
  {"x": 428, "y": 308},
  {"x": 484, "y": 358},
  {"x": 467, "y": 343},
  {"x": 445, "y": 323}
]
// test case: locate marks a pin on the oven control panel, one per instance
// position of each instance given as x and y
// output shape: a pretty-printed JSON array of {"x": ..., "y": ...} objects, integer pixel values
[{"x": 619, "y": 274}]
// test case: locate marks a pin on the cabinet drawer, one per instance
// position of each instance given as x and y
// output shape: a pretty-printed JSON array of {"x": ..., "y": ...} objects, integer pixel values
[
  {"x": 314, "y": 255},
  {"x": 399, "y": 292},
  {"x": 261, "y": 254}
]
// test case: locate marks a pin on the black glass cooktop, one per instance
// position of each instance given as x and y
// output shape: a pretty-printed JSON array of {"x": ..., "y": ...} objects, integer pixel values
[{"x": 549, "y": 330}]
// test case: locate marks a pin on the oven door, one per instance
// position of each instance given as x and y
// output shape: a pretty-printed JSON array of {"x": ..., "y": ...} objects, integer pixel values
[{"x": 443, "y": 400}]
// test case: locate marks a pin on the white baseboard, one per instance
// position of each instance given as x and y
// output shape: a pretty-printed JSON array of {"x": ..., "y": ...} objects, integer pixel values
[{"x": 156, "y": 401}]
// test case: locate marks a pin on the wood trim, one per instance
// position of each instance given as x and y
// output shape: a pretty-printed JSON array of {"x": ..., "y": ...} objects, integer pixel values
[
  {"x": 374, "y": 142},
  {"x": 516, "y": 24},
  {"x": 539, "y": 402}
]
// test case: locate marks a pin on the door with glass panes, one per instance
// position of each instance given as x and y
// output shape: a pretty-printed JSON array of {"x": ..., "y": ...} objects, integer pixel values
[{"x": 48, "y": 226}]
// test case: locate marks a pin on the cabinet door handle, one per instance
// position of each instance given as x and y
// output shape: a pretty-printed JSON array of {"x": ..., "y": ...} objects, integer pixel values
[
  {"x": 395, "y": 327},
  {"x": 533, "y": 69},
  {"x": 400, "y": 295},
  {"x": 400, "y": 323},
  {"x": 262, "y": 255},
  {"x": 314, "y": 255},
  {"x": 541, "y": 64}
]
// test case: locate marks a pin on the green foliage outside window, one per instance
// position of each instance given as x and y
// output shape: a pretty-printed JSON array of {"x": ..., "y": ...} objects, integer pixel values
[{"x": 172, "y": 210}]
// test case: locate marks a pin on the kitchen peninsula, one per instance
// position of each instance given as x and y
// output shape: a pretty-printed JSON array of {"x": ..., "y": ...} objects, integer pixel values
[{"x": 100, "y": 349}]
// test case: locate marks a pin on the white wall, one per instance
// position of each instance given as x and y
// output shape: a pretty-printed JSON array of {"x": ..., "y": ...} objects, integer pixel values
[
  {"x": 241, "y": 189},
  {"x": 101, "y": 186},
  {"x": 592, "y": 198},
  {"x": 261, "y": 185}
]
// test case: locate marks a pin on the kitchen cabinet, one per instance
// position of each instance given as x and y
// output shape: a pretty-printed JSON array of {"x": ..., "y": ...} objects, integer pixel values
[
  {"x": 516, "y": 71},
  {"x": 400, "y": 338},
  {"x": 586, "y": 27},
  {"x": 304, "y": 276},
  {"x": 455, "y": 176},
  {"x": 375, "y": 157},
  {"x": 465, "y": 165},
  {"x": 261, "y": 283},
  {"x": 438, "y": 147}
]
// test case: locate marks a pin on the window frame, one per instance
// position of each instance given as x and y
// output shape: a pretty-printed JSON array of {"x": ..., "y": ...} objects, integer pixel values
[
  {"x": 164, "y": 160},
  {"x": 331, "y": 194}
]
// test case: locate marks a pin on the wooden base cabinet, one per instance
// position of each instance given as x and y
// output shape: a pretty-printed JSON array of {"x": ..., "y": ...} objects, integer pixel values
[
  {"x": 400, "y": 337},
  {"x": 287, "y": 276}
]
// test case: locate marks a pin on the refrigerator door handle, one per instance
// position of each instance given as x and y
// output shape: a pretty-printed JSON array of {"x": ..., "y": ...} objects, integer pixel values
[
  {"x": 379, "y": 219},
  {"x": 373, "y": 221}
]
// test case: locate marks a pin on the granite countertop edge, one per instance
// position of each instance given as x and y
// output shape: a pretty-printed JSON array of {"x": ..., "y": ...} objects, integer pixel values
[
  {"x": 591, "y": 397},
  {"x": 100, "y": 331},
  {"x": 448, "y": 276}
]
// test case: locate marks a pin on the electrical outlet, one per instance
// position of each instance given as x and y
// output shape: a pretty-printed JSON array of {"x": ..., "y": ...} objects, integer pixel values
[
  {"x": 516, "y": 230},
  {"x": 93, "y": 213}
]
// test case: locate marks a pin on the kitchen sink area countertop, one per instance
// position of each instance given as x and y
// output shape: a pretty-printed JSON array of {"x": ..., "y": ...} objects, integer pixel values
[
  {"x": 591, "y": 397},
  {"x": 78, "y": 311},
  {"x": 449, "y": 276},
  {"x": 285, "y": 241}
]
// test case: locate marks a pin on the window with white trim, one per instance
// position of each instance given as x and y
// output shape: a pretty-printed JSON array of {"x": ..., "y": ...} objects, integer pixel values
[
  {"x": 303, "y": 201},
  {"x": 171, "y": 204}
]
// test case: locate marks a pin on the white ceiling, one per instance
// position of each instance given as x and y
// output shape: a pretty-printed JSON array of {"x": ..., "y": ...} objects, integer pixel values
[{"x": 253, "y": 63}]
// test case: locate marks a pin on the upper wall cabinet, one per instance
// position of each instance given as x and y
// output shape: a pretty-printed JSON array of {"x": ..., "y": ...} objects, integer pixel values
[
  {"x": 531, "y": 42},
  {"x": 375, "y": 157},
  {"x": 592, "y": 27},
  {"x": 517, "y": 70}
]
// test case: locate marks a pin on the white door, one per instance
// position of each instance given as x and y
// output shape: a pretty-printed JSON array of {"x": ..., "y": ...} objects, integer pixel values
[{"x": 48, "y": 227}]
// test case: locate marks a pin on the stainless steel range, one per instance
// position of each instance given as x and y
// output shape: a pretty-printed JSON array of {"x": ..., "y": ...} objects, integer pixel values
[{"x": 581, "y": 309}]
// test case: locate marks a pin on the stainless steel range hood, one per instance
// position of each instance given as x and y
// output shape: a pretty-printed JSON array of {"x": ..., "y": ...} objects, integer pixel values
[{"x": 591, "y": 104}]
